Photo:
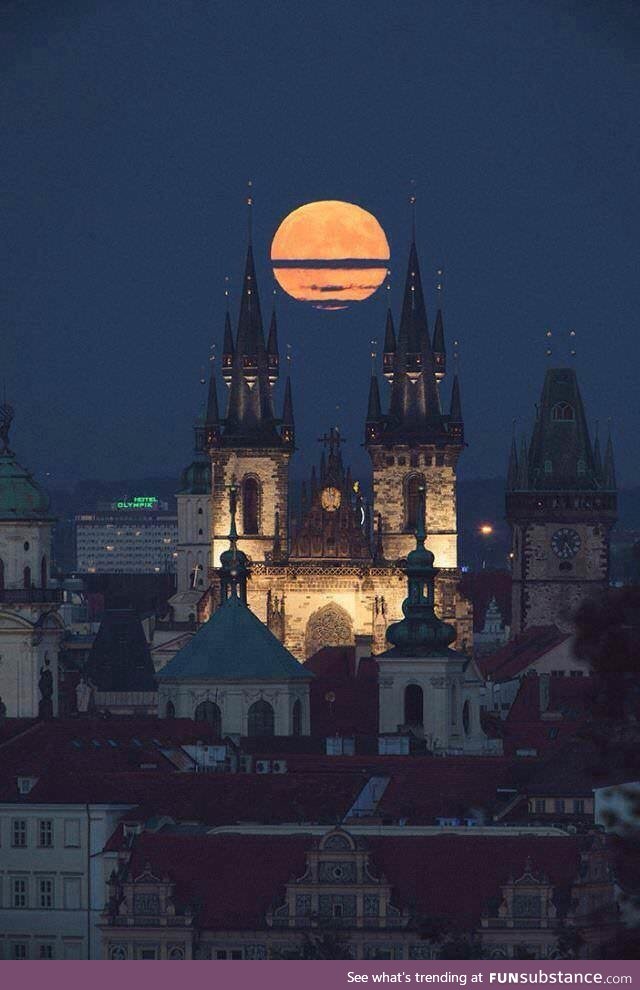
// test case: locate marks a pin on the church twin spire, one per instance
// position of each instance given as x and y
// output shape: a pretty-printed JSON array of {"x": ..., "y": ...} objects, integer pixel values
[
  {"x": 414, "y": 364},
  {"x": 250, "y": 369}
]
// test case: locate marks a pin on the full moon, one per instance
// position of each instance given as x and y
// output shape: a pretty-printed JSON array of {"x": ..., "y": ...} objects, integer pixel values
[{"x": 330, "y": 254}]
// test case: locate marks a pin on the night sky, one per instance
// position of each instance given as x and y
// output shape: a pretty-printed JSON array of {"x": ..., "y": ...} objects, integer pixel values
[{"x": 129, "y": 129}]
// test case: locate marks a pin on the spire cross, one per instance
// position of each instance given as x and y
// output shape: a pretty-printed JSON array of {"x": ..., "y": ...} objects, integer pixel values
[
  {"x": 374, "y": 354},
  {"x": 288, "y": 355},
  {"x": 412, "y": 203},
  {"x": 332, "y": 439},
  {"x": 456, "y": 356},
  {"x": 439, "y": 286}
]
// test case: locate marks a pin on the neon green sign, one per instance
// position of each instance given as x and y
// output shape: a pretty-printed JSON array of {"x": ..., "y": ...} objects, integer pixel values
[{"x": 138, "y": 502}]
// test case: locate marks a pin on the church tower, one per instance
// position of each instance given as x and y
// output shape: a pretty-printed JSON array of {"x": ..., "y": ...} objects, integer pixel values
[
  {"x": 30, "y": 625},
  {"x": 561, "y": 505},
  {"x": 250, "y": 447},
  {"x": 194, "y": 527},
  {"x": 414, "y": 445}
]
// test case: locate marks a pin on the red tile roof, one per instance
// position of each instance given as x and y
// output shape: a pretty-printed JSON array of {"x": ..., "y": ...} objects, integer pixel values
[
  {"x": 343, "y": 701},
  {"x": 520, "y": 652},
  {"x": 236, "y": 878}
]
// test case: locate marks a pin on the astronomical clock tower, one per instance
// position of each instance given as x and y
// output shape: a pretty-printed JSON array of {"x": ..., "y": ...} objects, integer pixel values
[{"x": 561, "y": 505}]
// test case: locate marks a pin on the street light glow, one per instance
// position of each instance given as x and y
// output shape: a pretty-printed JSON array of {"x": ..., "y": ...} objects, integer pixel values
[{"x": 486, "y": 529}]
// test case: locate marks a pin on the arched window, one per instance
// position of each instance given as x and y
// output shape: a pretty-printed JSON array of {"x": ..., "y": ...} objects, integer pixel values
[
  {"x": 413, "y": 705},
  {"x": 250, "y": 505},
  {"x": 261, "y": 721},
  {"x": 563, "y": 411},
  {"x": 200, "y": 510},
  {"x": 466, "y": 717},
  {"x": 413, "y": 500},
  {"x": 208, "y": 711},
  {"x": 170, "y": 710},
  {"x": 43, "y": 573},
  {"x": 296, "y": 718},
  {"x": 27, "y": 577}
]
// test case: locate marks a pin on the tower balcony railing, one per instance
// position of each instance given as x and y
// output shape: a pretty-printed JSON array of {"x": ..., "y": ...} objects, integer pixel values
[{"x": 31, "y": 596}]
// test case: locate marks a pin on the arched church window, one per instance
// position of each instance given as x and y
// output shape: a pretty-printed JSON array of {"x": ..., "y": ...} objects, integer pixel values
[
  {"x": 170, "y": 710},
  {"x": 43, "y": 573},
  {"x": 27, "y": 577},
  {"x": 250, "y": 505},
  {"x": 296, "y": 718},
  {"x": 261, "y": 719},
  {"x": 200, "y": 510},
  {"x": 563, "y": 411},
  {"x": 548, "y": 467},
  {"x": 208, "y": 711},
  {"x": 413, "y": 500},
  {"x": 413, "y": 705},
  {"x": 582, "y": 467}
]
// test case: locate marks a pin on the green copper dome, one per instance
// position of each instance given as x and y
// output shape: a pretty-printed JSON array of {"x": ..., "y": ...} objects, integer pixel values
[
  {"x": 196, "y": 479},
  {"x": 20, "y": 496}
]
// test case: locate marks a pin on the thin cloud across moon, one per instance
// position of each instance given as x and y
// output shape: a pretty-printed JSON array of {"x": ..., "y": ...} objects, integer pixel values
[{"x": 330, "y": 254}]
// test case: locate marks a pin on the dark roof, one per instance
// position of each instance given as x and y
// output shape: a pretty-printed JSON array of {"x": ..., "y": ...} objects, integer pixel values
[
  {"x": 343, "y": 702},
  {"x": 560, "y": 454},
  {"x": 450, "y": 877},
  {"x": 120, "y": 659},
  {"x": 234, "y": 645},
  {"x": 520, "y": 652}
]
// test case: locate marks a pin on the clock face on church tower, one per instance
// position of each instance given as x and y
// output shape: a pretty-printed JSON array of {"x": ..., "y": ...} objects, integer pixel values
[
  {"x": 565, "y": 543},
  {"x": 330, "y": 499}
]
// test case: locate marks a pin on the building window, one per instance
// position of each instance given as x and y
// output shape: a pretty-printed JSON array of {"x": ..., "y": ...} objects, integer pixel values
[
  {"x": 176, "y": 952},
  {"x": 261, "y": 719},
  {"x": 548, "y": 467},
  {"x": 413, "y": 500},
  {"x": 149, "y": 953},
  {"x": 46, "y": 951},
  {"x": 413, "y": 705},
  {"x": 221, "y": 954},
  {"x": 1, "y": 574},
  {"x": 19, "y": 897},
  {"x": 582, "y": 467},
  {"x": 19, "y": 833},
  {"x": 170, "y": 710},
  {"x": 45, "y": 892},
  {"x": 250, "y": 505},
  {"x": 558, "y": 806},
  {"x": 563, "y": 411},
  {"x": 208, "y": 711},
  {"x": 578, "y": 806},
  {"x": 118, "y": 952},
  {"x": 71, "y": 893},
  {"x": 72, "y": 833},
  {"x": 236, "y": 953},
  {"x": 43, "y": 573},
  {"x": 296, "y": 718},
  {"x": 45, "y": 834},
  {"x": 26, "y": 574},
  {"x": 539, "y": 806},
  {"x": 19, "y": 950}
]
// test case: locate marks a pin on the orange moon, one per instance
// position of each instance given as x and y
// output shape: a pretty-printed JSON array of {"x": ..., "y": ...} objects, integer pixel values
[{"x": 330, "y": 254}]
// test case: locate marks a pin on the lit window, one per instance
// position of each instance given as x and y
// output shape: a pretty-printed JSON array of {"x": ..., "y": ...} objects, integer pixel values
[{"x": 563, "y": 411}]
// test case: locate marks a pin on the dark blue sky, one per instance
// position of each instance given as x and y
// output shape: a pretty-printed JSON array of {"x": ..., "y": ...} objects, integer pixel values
[{"x": 129, "y": 130}]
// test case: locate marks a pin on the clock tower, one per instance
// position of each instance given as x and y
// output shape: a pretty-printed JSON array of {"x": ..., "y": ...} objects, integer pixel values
[{"x": 561, "y": 505}]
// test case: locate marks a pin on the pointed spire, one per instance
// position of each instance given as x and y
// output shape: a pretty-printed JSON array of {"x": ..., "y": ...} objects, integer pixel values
[
  {"x": 512, "y": 470},
  {"x": 234, "y": 564},
  {"x": 439, "y": 351},
  {"x": 228, "y": 350},
  {"x": 273, "y": 358},
  {"x": 414, "y": 331},
  {"x": 597, "y": 457},
  {"x": 212, "y": 419},
  {"x": 523, "y": 466},
  {"x": 314, "y": 483},
  {"x": 609, "y": 466},
  {"x": 456, "y": 425},
  {"x": 288, "y": 431},
  {"x": 389, "y": 353}
]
